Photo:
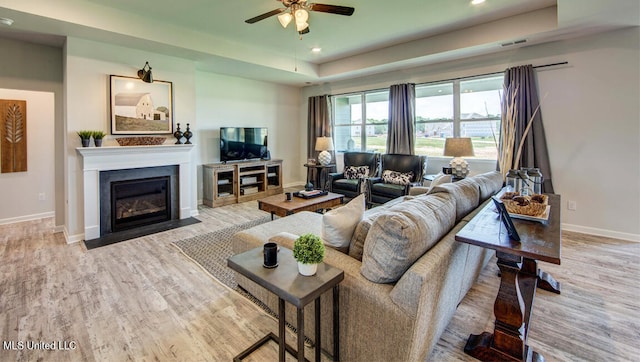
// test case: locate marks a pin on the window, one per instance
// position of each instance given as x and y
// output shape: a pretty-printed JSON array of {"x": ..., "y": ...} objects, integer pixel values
[
  {"x": 360, "y": 121},
  {"x": 460, "y": 108}
]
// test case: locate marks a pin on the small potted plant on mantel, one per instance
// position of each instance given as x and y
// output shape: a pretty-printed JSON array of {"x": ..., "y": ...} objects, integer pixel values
[
  {"x": 97, "y": 138},
  {"x": 85, "y": 137},
  {"x": 308, "y": 250}
]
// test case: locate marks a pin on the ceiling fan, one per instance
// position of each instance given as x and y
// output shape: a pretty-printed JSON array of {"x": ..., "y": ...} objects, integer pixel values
[{"x": 298, "y": 10}]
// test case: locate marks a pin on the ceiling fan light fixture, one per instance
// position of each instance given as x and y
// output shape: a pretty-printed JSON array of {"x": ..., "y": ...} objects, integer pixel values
[
  {"x": 285, "y": 19},
  {"x": 301, "y": 16}
]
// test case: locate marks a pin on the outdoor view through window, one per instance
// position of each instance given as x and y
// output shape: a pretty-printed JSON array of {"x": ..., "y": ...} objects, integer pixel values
[{"x": 459, "y": 108}]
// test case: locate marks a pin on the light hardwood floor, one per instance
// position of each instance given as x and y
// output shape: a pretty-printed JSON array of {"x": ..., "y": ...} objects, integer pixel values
[{"x": 143, "y": 300}]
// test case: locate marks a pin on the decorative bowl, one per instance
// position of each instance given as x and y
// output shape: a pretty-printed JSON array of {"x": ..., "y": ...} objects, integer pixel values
[{"x": 140, "y": 141}]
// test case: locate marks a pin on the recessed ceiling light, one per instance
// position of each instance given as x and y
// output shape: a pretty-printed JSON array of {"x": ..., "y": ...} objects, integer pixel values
[
  {"x": 476, "y": 2},
  {"x": 6, "y": 21},
  {"x": 316, "y": 49}
]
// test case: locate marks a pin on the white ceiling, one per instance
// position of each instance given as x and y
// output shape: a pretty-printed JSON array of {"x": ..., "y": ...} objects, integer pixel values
[{"x": 381, "y": 35}]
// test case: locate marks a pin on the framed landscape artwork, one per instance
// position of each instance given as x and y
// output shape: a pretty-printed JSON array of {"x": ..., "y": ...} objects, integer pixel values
[{"x": 141, "y": 108}]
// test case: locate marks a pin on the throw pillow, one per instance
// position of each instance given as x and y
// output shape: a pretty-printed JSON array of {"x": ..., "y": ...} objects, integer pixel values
[
  {"x": 397, "y": 178},
  {"x": 355, "y": 172},
  {"x": 338, "y": 224},
  {"x": 439, "y": 180}
]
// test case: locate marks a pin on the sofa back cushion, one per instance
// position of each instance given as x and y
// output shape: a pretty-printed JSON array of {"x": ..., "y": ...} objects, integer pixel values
[
  {"x": 403, "y": 233},
  {"x": 489, "y": 183},
  {"x": 356, "y": 246},
  {"x": 466, "y": 193}
]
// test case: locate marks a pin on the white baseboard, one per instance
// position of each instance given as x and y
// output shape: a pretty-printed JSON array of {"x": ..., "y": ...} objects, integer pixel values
[
  {"x": 70, "y": 239},
  {"x": 195, "y": 212},
  {"x": 13, "y": 220},
  {"x": 601, "y": 232}
]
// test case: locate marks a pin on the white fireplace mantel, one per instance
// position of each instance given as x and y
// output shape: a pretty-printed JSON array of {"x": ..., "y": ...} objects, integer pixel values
[{"x": 96, "y": 159}]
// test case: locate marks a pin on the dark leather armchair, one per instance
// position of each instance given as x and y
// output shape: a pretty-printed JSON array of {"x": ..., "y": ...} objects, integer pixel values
[
  {"x": 351, "y": 188},
  {"x": 379, "y": 191}
]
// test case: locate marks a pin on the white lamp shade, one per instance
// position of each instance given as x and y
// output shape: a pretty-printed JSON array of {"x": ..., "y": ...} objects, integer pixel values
[
  {"x": 301, "y": 16},
  {"x": 458, "y": 147},
  {"x": 324, "y": 144},
  {"x": 285, "y": 19}
]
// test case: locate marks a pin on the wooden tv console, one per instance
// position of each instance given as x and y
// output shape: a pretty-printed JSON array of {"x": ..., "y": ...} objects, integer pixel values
[{"x": 234, "y": 182}]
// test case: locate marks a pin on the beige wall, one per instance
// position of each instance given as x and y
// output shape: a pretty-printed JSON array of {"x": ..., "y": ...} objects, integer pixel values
[
  {"x": 591, "y": 115},
  {"x": 35, "y": 72},
  {"x": 227, "y": 101}
]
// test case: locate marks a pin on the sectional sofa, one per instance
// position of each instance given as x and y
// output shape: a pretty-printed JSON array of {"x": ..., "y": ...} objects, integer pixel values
[{"x": 404, "y": 272}]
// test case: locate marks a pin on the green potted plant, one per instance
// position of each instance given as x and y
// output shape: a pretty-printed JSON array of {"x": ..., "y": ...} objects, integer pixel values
[
  {"x": 308, "y": 250},
  {"x": 85, "y": 137},
  {"x": 97, "y": 138}
]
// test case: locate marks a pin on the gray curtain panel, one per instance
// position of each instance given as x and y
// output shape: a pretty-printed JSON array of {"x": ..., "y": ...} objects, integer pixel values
[
  {"x": 534, "y": 153},
  {"x": 318, "y": 123},
  {"x": 402, "y": 113}
]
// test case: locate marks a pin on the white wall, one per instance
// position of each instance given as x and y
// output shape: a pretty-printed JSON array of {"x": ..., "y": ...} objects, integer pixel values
[
  {"x": 38, "y": 68},
  {"x": 22, "y": 190},
  {"x": 88, "y": 66},
  {"x": 591, "y": 115},
  {"x": 205, "y": 100},
  {"x": 227, "y": 101}
]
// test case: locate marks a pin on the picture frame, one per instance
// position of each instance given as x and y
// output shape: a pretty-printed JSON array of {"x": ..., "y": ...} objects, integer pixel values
[
  {"x": 139, "y": 108},
  {"x": 506, "y": 219}
]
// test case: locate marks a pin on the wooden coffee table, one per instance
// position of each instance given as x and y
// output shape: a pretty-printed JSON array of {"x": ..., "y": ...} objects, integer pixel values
[
  {"x": 520, "y": 276},
  {"x": 278, "y": 205}
]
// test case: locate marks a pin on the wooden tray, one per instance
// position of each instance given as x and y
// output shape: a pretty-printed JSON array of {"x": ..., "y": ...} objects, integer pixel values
[{"x": 298, "y": 194}]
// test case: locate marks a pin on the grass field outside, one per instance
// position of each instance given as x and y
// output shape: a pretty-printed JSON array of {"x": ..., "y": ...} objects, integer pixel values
[{"x": 484, "y": 147}]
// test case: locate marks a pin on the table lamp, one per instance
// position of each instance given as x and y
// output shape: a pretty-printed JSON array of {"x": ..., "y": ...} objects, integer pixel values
[
  {"x": 458, "y": 148},
  {"x": 324, "y": 144}
]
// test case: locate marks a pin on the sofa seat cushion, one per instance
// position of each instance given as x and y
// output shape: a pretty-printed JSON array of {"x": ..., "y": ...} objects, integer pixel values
[
  {"x": 388, "y": 190},
  {"x": 403, "y": 233},
  {"x": 347, "y": 184},
  {"x": 465, "y": 192}
]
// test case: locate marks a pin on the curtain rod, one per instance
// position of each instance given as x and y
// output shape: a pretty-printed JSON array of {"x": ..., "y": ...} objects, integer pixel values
[{"x": 452, "y": 79}]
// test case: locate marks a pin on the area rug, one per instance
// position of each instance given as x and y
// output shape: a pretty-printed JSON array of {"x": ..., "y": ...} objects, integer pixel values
[{"x": 211, "y": 251}]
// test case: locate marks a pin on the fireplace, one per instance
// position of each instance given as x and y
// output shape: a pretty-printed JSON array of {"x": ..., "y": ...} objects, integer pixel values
[
  {"x": 140, "y": 202},
  {"x": 132, "y": 198},
  {"x": 98, "y": 160}
]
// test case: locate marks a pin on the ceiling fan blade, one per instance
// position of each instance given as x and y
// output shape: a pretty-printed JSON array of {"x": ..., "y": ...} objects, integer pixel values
[
  {"x": 333, "y": 9},
  {"x": 264, "y": 16}
]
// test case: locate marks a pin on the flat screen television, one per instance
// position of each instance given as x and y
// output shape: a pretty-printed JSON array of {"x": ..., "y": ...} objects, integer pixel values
[{"x": 243, "y": 143}]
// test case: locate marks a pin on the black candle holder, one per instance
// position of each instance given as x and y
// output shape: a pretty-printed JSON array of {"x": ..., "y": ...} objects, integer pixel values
[
  {"x": 188, "y": 134},
  {"x": 178, "y": 135}
]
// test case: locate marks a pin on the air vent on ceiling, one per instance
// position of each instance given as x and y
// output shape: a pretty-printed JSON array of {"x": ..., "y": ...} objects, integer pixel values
[{"x": 514, "y": 43}]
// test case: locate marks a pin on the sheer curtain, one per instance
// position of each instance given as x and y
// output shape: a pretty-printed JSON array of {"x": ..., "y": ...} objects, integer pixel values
[
  {"x": 525, "y": 102},
  {"x": 402, "y": 112}
]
